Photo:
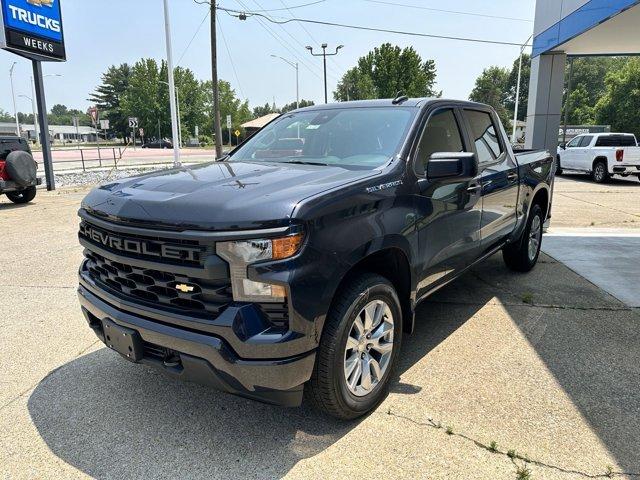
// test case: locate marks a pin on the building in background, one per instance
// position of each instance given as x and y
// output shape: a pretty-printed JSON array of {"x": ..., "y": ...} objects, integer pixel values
[
  {"x": 572, "y": 27},
  {"x": 57, "y": 133}
]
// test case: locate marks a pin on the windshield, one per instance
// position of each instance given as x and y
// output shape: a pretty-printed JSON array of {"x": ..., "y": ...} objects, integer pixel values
[{"x": 355, "y": 137}]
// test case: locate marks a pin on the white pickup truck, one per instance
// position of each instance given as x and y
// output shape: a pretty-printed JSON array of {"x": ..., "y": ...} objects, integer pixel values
[{"x": 601, "y": 155}]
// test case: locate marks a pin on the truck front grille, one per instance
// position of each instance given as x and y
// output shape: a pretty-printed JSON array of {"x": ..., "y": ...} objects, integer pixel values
[{"x": 160, "y": 288}]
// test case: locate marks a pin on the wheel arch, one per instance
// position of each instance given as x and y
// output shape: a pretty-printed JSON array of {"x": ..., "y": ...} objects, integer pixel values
[
  {"x": 600, "y": 158},
  {"x": 393, "y": 263}
]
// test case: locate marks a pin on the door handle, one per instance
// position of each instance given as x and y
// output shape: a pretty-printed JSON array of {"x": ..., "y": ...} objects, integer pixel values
[
  {"x": 474, "y": 188},
  {"x": 512, "y": 176}
]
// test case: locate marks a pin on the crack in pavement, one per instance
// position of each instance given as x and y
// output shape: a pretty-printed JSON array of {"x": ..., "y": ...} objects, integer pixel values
[
  {"x": 534, "y": 305},
  {"x": 597, "y": 205},
  {"x": 512, "y": 454},
  {"x": 24, "y": 392}
]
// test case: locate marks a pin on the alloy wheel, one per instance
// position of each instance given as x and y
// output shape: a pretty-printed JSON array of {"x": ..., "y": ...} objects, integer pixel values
[{"x": 369, "y": 347}]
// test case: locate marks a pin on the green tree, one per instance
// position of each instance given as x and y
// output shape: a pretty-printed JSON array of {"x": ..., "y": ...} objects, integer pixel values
[
  {"x": 261, "y": 111},
  {"x": 145, "y": 98},
  {"x": 620, "y": 104},
  {"x": 490, "y": 88},
  {"x": 292, "y": 106},
  {"x": 5, "y": 116},
  {"x": 108, "y": 98},
  {"x": 355, "y": 85},
  {"x": 387, "y": 70},
  {"x": 230, "y": 104},
  {"x": 512, "y": 85}
]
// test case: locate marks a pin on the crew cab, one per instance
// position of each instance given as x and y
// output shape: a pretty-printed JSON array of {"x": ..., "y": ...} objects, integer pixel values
[
  {"x": 601, "y": 155},
  {"x": 293, "y": 265},
  {"x": 18, "y": 170}
]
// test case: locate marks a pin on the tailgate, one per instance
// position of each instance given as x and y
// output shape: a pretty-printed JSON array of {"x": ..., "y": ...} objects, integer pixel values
[{"x": 631, "y": 156}]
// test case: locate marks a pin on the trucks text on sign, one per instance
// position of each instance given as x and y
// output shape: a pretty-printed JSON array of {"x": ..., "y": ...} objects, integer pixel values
[{"x": 32, "y": 28}]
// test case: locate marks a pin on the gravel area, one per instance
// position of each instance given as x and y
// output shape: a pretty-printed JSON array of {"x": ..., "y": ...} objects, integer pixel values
[{"x": 94, "y": 177}]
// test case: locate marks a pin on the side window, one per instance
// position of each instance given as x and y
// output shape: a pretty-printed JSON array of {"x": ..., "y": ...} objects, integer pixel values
[
  {"x": 442, "y": 134},
  {"x": 485, "y": 136},
  {"x": 574, "y": 143},
  {"x": 586, "y": 140}
]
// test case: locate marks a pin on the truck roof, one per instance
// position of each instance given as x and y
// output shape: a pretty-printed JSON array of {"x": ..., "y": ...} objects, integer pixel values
[{"x": 387, "y": 102}]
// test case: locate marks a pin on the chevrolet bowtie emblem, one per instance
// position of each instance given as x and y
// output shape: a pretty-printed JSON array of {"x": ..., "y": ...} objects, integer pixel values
[{"x": 185, "y": 288}]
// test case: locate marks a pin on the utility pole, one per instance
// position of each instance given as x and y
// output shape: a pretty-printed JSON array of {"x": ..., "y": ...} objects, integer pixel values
[
  {"x": 214, "y": 78},
  {"x": 296, "y": 66},
  {"x": 324, "y": 56},
  {"x": 172, "y": 87}
]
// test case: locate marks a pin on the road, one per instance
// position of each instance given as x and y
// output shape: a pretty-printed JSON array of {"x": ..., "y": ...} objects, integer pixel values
[{"x": 546, "y": 364}]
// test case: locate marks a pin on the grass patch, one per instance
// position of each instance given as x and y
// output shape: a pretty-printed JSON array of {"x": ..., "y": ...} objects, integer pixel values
[
  {"x": 449, "y": 431},
  {"x": 523, "y": 473},
  {"x": 493, "y": 446},
  {"x": 527, "y": 298}
]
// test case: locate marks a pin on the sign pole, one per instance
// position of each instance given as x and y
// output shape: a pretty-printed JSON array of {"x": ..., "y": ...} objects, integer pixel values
[{"x": 44, "y": 125}]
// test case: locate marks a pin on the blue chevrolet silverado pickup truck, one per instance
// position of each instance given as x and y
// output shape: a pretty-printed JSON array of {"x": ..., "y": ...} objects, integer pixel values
[{"x": 292, "y": 267}]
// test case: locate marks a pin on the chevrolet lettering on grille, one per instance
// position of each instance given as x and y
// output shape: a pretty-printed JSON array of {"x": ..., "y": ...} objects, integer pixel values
[{"x": 140, "y": 247}]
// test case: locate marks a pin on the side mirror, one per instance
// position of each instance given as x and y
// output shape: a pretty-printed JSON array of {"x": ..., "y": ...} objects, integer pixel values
[
  {"x": 455, "y": 165},
  {"x": 563, "y": 146}
]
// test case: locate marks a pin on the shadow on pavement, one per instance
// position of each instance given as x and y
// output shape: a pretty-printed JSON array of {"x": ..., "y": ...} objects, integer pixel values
[
  {"x": 112, "y": 419},
  {"x": 629, "y": 182}
]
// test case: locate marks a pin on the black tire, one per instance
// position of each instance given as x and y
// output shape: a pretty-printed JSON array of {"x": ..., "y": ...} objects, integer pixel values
[
  {"x": 21, "y": 168},
  {"x": 517, "y": 255},
  {"x": 559, "y": 170},
  {"x": 23, "y": 196},
  {"x": 327, "y": 389},
  {"x": 600, "y": 173}
]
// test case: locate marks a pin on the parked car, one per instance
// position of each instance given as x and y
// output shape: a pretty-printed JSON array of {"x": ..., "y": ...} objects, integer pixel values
[
  {"x": 18, "y": 170},
  {"x": 158, "y": 144},
  {"x": 270, "y": 276},
  {"x": 601, "y": 155}
]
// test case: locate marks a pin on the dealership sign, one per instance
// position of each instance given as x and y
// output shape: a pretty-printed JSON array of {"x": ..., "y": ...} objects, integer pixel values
[{"x": 32, "y": 28}]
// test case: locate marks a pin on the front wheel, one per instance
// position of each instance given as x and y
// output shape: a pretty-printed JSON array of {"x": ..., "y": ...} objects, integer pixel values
[
  {"x": 523, "y": 254},
  {"x": 22, "y": 196},
  {"x": 358, "y": 349}
]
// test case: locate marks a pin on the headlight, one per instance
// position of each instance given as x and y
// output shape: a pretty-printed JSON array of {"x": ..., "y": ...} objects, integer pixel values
[{"x": 242, "y": 253}]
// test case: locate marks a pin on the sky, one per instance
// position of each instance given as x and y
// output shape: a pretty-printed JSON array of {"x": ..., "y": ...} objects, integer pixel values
[{"x": 101, "y": 33}]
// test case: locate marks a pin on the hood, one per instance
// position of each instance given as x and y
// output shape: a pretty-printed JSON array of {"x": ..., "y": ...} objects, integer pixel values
[{"x": 219, "y": 195}]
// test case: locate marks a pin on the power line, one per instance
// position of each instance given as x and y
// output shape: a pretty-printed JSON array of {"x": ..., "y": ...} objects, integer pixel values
[
  {"x": 310, "y": 36},
  {"x": 291, "y": 8},
  {"x": 285, "y": 31},
  {"x": 233, "y": 66},
  {"x": 455, "y": 12},
  {"x": 278, "y": 39},
  {"x": 246, "y": 14},
  {"x": 193, "y": 38}
]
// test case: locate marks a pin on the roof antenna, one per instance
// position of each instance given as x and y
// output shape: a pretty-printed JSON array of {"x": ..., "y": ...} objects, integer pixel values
[{"x": 400, "y": 98}]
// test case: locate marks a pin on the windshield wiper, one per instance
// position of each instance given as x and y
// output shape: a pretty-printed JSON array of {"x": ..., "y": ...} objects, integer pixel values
[{"x": 300, "y": 162}]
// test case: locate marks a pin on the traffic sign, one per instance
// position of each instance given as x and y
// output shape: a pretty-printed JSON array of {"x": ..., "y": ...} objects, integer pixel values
[
  {"x": 104, "y": 124},
  {"x": 229, "y": 122},
  {"x": 133, "y": 122},
  {"x": 237, "y": 133},
  {"x": 141, "y": 131},
  {"x": 93, "y": 113}
]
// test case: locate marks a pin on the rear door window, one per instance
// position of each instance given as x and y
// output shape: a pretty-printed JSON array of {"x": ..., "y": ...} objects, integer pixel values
[{"x": 484, "y": 135}]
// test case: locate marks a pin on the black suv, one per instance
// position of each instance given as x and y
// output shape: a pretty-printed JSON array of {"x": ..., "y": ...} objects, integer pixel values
[
  {"x": 18, "y": 169},
  {"x": 295, "y": 263}
]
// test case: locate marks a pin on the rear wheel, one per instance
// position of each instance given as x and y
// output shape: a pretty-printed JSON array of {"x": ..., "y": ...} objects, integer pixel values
[
  {"x": 358, "y": 349},
  {"x": 600, "y": 173},
  {"x": 522, "y": 255},
  {"x": 23, "y": 196}
]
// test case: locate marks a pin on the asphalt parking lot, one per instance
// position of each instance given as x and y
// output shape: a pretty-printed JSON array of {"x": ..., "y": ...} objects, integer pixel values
[{"x": 546, "y": 365}]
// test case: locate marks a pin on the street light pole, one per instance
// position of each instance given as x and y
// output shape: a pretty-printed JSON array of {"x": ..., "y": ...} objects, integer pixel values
[
  {"x": 515, "y": 110},
  {"x": 172, "y": 86},
  {"x": 324, "y": 56},
  {"x": 178, "y": 110},
  {"x": 35, "y": 116},
  {"x": 13, "y": 94},
  {"x": 296, "y": 66}
]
